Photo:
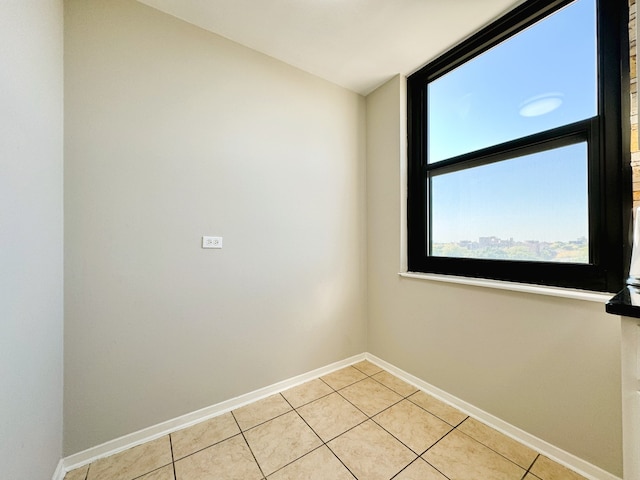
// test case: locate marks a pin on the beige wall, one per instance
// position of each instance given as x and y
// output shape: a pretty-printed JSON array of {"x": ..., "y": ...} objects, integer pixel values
[
  {"x": 172, "y": 133},
  {"x": 31, "y": 238},
  {"x": 548, "y": 365}
]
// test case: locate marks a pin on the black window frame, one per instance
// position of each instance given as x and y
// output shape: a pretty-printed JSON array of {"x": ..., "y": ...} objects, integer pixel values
[{"x": 609, "y": 170}]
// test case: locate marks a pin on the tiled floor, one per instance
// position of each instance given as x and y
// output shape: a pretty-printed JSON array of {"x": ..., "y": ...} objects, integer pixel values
[{"x": 359, "y": 422}]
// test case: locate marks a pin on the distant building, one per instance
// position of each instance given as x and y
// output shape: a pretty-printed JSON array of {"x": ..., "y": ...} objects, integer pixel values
[{"x": 495, "y": 242}]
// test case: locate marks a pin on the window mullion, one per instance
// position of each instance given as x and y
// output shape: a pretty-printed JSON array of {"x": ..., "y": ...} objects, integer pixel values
[{"x": 473, "y": 150}]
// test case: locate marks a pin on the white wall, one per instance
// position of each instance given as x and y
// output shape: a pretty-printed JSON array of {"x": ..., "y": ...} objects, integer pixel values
[
  {"x": 172, "y": 133},
  {"x": 30, "y": 238},
  {"x": 548, "y": 365}
]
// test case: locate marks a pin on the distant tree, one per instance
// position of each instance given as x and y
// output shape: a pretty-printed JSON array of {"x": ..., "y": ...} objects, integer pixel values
[{"x": 451, "y": 250}]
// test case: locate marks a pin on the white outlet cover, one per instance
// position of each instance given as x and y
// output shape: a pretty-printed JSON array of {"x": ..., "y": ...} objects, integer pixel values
[{"x": 211, "y": 242}]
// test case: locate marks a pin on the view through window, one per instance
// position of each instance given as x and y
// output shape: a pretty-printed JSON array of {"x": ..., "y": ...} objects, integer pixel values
[
  {"x": 516, "y": 153},
  {"x": 534, "y": 207}
]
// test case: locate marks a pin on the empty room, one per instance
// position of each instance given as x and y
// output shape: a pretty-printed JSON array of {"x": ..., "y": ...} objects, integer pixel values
[{"x": 318, "y": 239}]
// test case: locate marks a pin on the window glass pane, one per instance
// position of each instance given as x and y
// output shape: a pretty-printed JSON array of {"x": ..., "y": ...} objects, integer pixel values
[
  {"x": 542, "y": 78},
  {"x": 532, "y": 207}
]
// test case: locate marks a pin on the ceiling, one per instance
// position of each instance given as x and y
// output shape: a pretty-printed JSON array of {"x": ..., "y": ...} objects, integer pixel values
[{"x": 357, "y": 44}]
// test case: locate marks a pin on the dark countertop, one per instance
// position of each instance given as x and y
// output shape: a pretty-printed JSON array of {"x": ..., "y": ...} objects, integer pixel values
[{"x": 626, "y": 302}]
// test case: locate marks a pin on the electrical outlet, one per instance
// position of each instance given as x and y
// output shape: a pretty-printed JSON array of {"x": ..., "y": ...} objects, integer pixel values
[{"x": 211, "y": 242}]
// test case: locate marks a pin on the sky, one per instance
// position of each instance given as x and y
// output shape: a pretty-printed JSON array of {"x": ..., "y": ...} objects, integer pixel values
[
  {"x": 542, "y": 78},
  {"x": 535, "y": 197}
]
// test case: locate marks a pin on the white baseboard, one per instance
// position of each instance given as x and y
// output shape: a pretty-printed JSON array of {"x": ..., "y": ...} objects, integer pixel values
[
  {"x": 60, "y": 471},
  {"x": 567, "y": 459},
  {"x": 156, "y": 431},
  {"x": 111, "y": 447}
]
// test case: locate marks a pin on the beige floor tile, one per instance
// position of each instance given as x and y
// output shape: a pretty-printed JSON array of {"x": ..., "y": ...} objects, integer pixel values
[
  {"x": 228, "y": 460},
  {"x": 395, "y": 384},
  {"x": 134, "y": 462},
  {"x": 307, "y": 392},
  {"x": 371, "y": 453},
  {"x": 370, "y": 396},
  {"x": 367, "y": 367},
  {"x": 341, "y": 378},
  {"x": 164, "y": 473},
  {"x": 460, "y": 457},
  {"x": 413, "y": 426},
  {"x": 547, "y": 469},
  {"x": 281, "y": 441},
  {"x": 420, "y": 470},
  {"x": 203, "y": 435},
  {"x": 331, "y": 416},
  {"x": 259, "y": 412},
  {"x": 449, "y": 414},
  {"x": 513, "y": 450},
  {"x": 77, "y": 474},
  {"x": 530, "y": 476},
  {"x": 320, "y": 464}
]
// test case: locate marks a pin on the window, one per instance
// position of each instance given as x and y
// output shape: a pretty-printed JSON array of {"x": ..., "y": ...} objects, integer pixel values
[{"x": 517, "y": 147}]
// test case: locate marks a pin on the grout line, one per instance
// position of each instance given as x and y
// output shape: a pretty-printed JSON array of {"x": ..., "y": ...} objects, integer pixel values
[
  {"x": 398, "y": 440},
  {"x": 461, "y": 422},
  {"x": 348, "y": 430},
  {"x": 437, "y": 470},
  {"x": 348, "y": 385},
  {"x": 367, "y": 418},
  {"x": 362, "y": 371},
  {"x": 433, "y": 444},
  {"x": 311, "y": 401},
  {"x": 173, "y": 458},
  {"x": 88, "y": 457},
  {"x": 321, "y": 379},
  {"x": 153, "y": 432},
  {"x": 152, "y": 471},
  {"x": 324, "y": 444},
  {"x": 341, "y": 396},
  {"x": 340, "y": 460},
  {"x": 555, "y": 454},
  {"x": 406, "y": 466},
  {"x": 493, "y": 450},
  {"x": 419, "y": 459},
  {"x": 387, "y": 408},
  {"x": 439, "y": 418},
  {"x": 395, "y": 391},
  {"x": 262, "y": 423},
  {"x": 371, "y": 417},
  {"x": 530, "y": 467},
  {"x": 359, "y": 409},
  {"x": 377, "y": 413},
  {"x": 439, "y": 440},
  {"x": 248, "y": 446},
  {"x": 310, "y": 427},
  {"x": 207, "y": 446},
  {"x": 299, "y": 458},
  {"x": 316, "y": 433}
]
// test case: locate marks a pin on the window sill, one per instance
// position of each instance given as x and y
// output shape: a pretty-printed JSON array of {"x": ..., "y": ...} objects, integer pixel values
[
  {"x": 626, "y": 302},
  {"x": 514, "y": 287}
]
